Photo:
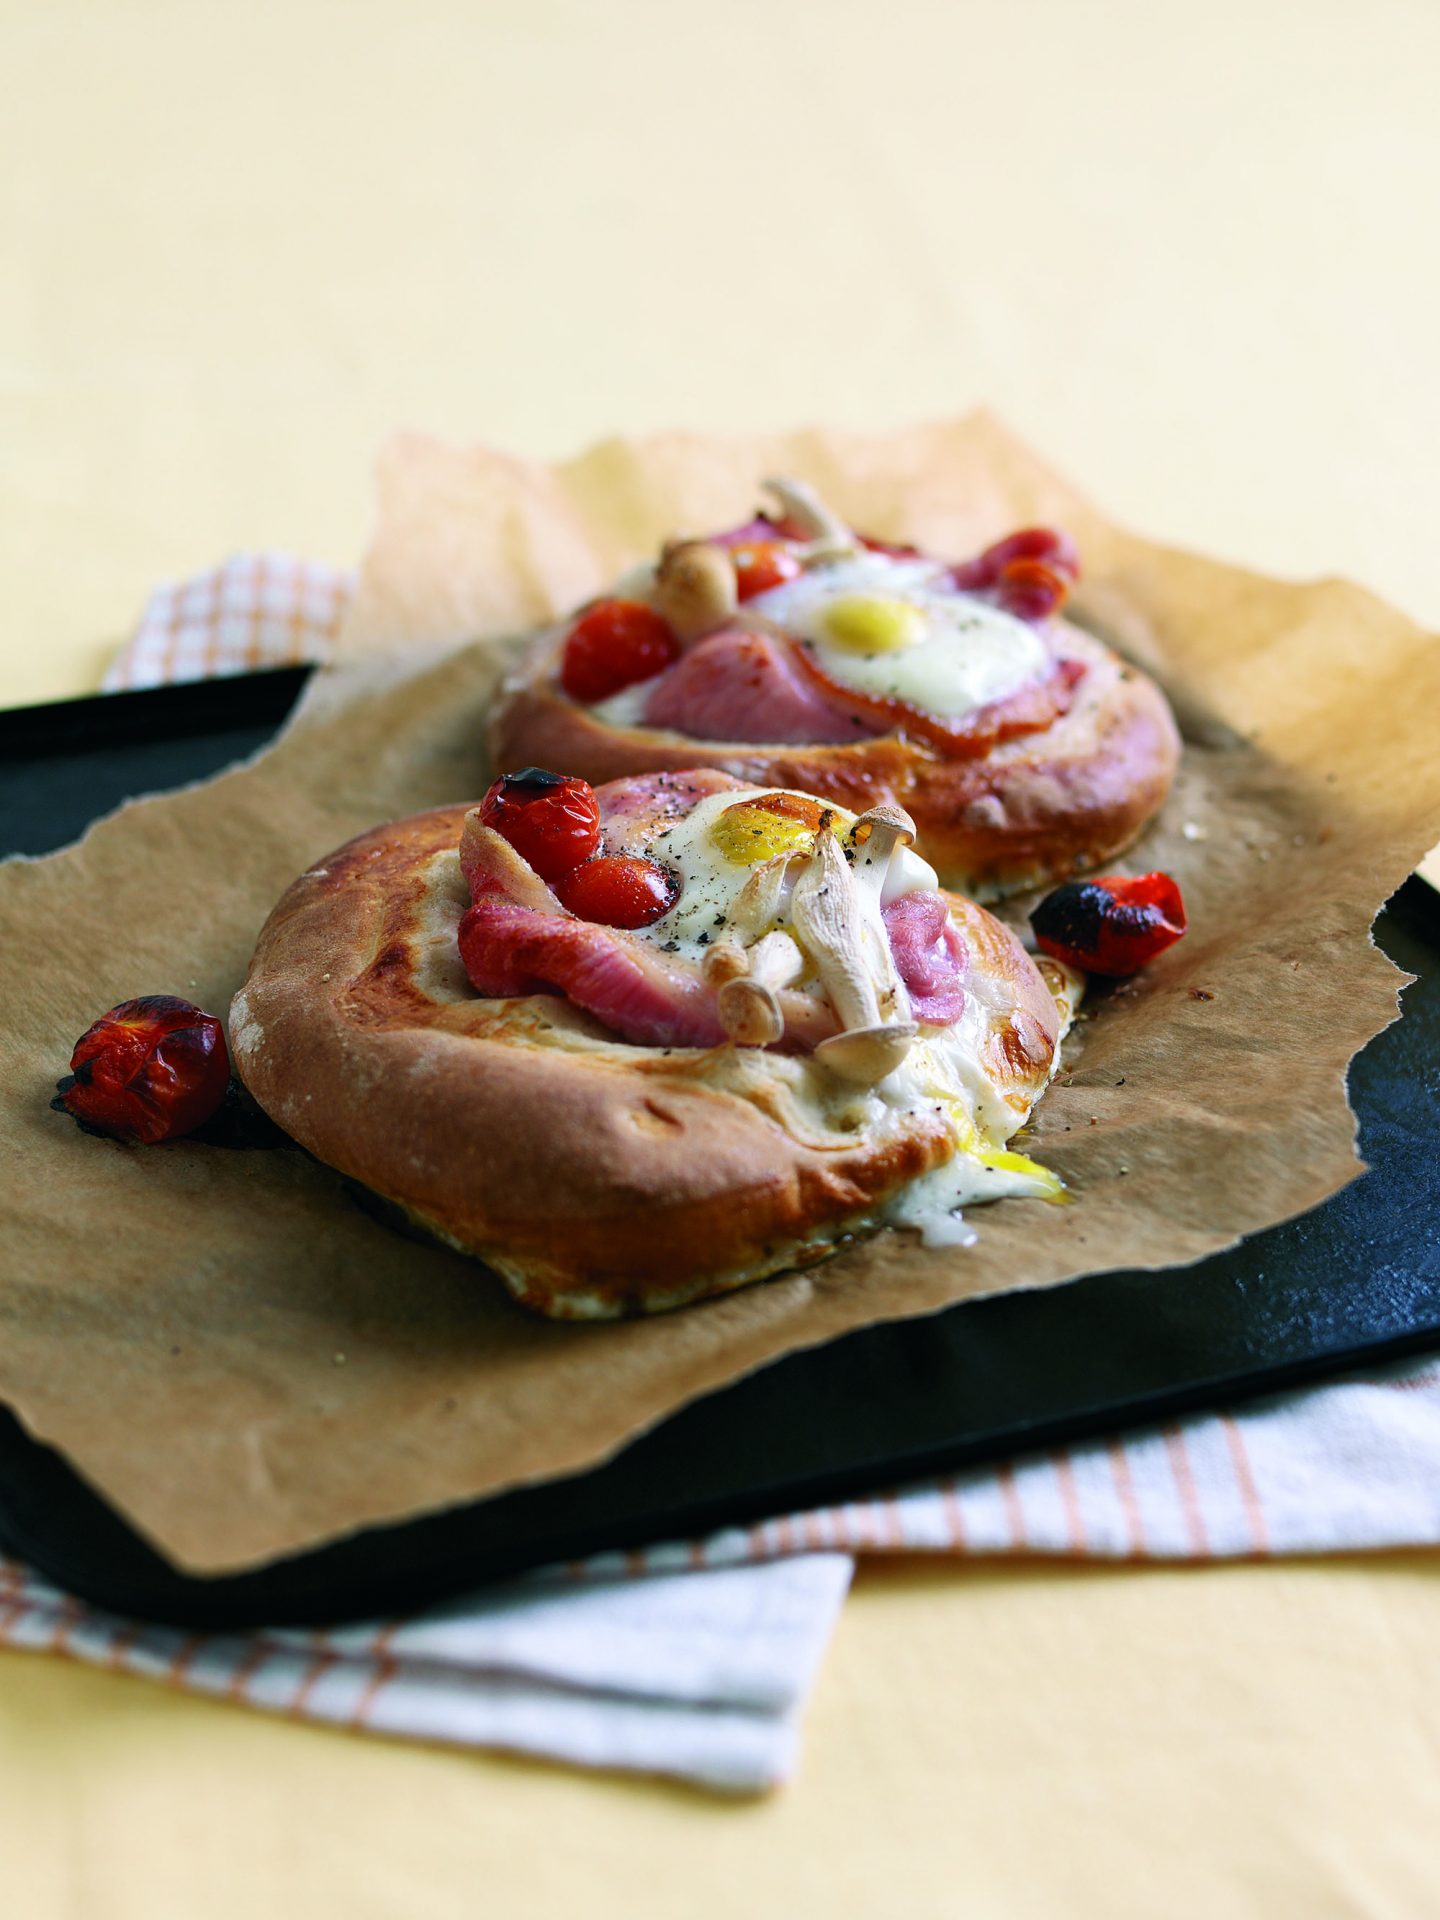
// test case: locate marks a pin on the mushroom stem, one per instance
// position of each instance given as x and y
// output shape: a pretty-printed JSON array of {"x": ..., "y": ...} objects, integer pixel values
[
  {"x": 876, "y": 837},
  {"x": 866, "y": 1054},
  {"x": 828, "y": 536},
  {"x": 825, "y": 914},
  {"x": 757, "y": 905},
  {"x": 747, "y": 985},
  {"x": 727, "y": 960},
  {"x": 838, "y": 919},
  {"x": 776, "y": 961}
]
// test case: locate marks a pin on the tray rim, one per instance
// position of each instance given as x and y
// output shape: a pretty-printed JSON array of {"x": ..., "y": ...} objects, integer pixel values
[{"x": 145, "y": 718}]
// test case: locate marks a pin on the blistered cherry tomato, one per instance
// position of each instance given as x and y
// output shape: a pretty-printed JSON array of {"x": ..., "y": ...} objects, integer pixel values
[
  {"x": 761, "y": 565},
  {"x": 1048, "y": 545},
  {"x": 550, "y": 819},
  {"x": 619, "y": 890},
  {"x": 149, "y": 1070},
  {"x": 896, "y": 549},
  {"x": 614, "y": 644},
  {"x": 1112, "y": 925},
  {"x": 1030, "y": 589}
]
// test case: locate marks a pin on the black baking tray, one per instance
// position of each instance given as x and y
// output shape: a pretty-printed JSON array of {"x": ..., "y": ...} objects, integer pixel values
[{"x": 1355, "y": 1280}]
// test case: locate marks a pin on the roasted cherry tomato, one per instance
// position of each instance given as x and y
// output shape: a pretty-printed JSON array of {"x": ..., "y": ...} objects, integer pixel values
[
  {"x": 550, "y": 819},
  {"x": 1029, "y": 572},
  {"x": 619, "y": 890},
  {"x": 1031, "y": 589},
  {"x": 896, "y": 549},
  {"x": 149, "y": 1070},
  {"x": 1112, "y": 925},
  {"x": 760, "y": 565},
  {"x": 612, "y": 645}
]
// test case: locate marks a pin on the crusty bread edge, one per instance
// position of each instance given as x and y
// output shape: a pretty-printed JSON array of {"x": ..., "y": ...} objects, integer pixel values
[
  {"x": 586, "y": 1179},
  {"x": 1032, "y": 811}
]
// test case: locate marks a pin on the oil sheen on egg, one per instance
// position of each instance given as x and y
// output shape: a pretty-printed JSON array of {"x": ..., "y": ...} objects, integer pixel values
[{"x": 899, "y": 630}]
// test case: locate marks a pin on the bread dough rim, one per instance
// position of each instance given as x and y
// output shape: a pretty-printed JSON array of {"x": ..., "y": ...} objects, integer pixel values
[{"x": 586, "y": 1171}]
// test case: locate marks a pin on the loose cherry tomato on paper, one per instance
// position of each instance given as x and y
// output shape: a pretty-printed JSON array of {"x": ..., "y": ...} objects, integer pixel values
[
  {"x": 760, "y": 565},
  {"x": 149, "y": 1070},
  {"x": 619, "y": 890},
  {"x": 1112, "y": 925},
  {"x": 612, "y": 645},
  {"x": 550, "y": 819}
]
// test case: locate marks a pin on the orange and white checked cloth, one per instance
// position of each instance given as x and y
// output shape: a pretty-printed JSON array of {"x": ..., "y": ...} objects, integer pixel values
[
  {"x": 256, "y": 610},
  {"x": 696, "y": 1658}
]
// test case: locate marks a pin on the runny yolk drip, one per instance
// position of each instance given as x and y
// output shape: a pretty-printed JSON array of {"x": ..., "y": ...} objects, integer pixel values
[{"x": 968, "y": 1142}]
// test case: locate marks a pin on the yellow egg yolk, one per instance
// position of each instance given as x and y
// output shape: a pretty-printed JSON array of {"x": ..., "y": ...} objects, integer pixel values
[
  {"x": 969, "y": 1143},
  {"x": 869, "y": 623},
  {"x": 756, "y": 830}
]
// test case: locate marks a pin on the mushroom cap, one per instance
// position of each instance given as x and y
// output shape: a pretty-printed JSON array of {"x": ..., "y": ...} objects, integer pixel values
[
  {"x": 884, "y": 817},
  {"x": 803, "y": 507},
  {"x": 865, "y": 1055},
  {"x": 727, "y": 960},
  {"x": 695, "y": 588},
  {"x": 750, "y": 1012}
]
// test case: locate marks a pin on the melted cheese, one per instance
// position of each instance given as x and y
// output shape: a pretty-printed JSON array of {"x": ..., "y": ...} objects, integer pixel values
[{"x": 900, "y": 630}]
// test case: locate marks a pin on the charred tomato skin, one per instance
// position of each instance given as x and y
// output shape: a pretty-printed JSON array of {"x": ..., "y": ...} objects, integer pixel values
[
  {"x": 1112, "y": 925},
  {"x": 620, "y": 890},
  {"x": 552, "y": 820},
  {"x": 149, "y": 1070}
]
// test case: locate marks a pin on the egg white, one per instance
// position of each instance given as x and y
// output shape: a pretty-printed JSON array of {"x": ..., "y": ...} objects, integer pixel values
[
  {"x": 967, "y": 652},
  {"x": 711, "y": 881},
  {"x": 946, "y": 1070}
]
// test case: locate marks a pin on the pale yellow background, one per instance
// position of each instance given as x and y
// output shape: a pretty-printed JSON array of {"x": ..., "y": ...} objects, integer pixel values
[{"x": 1191, "y": 252}]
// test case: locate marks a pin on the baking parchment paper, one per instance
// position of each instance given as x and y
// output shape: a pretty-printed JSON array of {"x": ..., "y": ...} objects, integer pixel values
[{"x": 247, "y": 1364}]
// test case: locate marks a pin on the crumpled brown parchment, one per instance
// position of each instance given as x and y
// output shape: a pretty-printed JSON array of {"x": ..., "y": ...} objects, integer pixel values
[{"x": 246, "y": 1364}]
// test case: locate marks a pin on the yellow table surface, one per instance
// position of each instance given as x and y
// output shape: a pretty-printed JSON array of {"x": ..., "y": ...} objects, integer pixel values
[{"x": 1190, "y": 251}]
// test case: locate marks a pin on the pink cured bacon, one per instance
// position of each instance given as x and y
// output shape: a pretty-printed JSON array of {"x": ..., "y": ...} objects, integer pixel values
[
  {"x": 634, "y": 809},
  {"x": 509, "y": 949},
  {"x": 512, "y": 946},
  {"x": 930, "y": 956},
  {"x": 741, "y": 684}
]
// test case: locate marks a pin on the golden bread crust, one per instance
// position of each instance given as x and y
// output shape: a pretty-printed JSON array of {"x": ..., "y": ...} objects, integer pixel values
[
  {"x": 1031, "y": 811},
  {"x": 598, "y": 1177}
]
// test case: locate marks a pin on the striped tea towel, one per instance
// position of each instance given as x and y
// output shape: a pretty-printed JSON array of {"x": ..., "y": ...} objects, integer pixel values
[
  {"x": 695, "y": 1658},
  {"x": 702, "y": 1676}
]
